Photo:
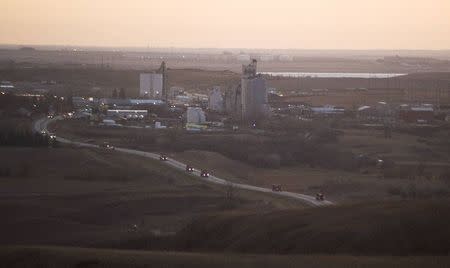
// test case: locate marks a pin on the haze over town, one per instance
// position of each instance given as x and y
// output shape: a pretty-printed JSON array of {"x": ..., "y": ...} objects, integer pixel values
[{"x": 299, "y": 24}]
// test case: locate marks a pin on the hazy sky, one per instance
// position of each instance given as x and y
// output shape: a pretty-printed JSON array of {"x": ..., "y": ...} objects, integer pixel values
[{"x": 309, "y": 24}]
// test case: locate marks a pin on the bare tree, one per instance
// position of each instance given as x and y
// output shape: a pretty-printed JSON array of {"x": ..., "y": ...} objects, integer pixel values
[
  {"x": 230, "y": 192},
  {"x": 122, "y": 93}
]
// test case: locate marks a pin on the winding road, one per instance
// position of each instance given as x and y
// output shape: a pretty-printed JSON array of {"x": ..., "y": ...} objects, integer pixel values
[{"x": 41, "y": 125}]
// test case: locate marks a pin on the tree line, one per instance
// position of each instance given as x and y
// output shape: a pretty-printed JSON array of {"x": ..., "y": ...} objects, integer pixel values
[{"x": 25, "y": 138}]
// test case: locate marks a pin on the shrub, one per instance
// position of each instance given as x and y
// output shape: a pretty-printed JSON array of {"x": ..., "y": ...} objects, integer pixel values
[
  {"x": 11, "y": 136},
  {"x": 24, "y": 169},
  {"x": 445, "y": 176},
  {"x": 265, "y": 160},
  {"x": 395, "y": 190},
  {"x": 5, "y": 172}
]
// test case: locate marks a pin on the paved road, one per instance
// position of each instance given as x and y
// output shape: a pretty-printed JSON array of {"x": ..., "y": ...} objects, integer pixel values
[{"x": 41, "y": 125}]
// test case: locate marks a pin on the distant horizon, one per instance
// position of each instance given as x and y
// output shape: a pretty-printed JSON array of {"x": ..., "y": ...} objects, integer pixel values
[{"x": 35, "y": 45}]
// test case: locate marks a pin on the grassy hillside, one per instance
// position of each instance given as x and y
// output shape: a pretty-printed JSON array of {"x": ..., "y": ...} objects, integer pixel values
[
  {"x": 42, "y": 257},
  {"x": 399, "y": 228},
  {"x": 86, "y": 197}
]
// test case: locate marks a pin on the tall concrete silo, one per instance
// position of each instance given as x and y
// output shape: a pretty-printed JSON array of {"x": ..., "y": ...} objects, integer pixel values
[{"x": 254, "y": 94}]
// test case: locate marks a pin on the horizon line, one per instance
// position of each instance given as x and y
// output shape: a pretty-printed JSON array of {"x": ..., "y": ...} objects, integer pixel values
[{"x": 216, "y": 48}]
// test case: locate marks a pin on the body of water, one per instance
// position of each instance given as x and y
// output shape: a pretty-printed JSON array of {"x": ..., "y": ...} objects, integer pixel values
[{"x": 333, "y": 75}]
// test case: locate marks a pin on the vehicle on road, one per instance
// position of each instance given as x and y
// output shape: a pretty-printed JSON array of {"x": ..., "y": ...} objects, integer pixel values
[
  {"x": 320, "y": 197},
  {"x": 189, "y": 168},
  {"x": 52, "y": 136},
  {"x": 380, "y": 163},
  {"x": 276, "y": 187},
  {"x": 108, "y": 146},
  {"x": 163, "y": 157},
  {"x": 204, "y": 173}
]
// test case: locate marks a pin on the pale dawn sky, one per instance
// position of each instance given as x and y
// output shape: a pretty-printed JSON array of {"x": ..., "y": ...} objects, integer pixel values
[{"x": 302, "y": 24}]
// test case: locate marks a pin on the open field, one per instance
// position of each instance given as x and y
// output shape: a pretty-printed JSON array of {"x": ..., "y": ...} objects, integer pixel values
[
  {"x": 85, "y": 197},
  {"x": 99, "y": 82},
  {"x": 402, "y": 147},
  {"x": 354, "y": 92},
  {"x": 15, "y": 257},
  {"x": 350, "y": 99}
]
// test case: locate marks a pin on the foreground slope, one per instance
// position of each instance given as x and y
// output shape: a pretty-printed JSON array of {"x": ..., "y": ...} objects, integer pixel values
[
  {"x": 13, "y": 257},
  {"x": 86, "y": 197},
  {"x": 398, "y": 228}
]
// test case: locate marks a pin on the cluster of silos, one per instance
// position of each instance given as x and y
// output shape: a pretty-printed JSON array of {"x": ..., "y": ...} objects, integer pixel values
[
  {"x": 154, "y": 85},
  {"x": 151, "y": 86},
  {"x": 254, "y": 103}
]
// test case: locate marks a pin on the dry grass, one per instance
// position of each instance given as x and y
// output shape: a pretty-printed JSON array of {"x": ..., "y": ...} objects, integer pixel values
[
  {"x": 350, "y": 98},
  {"x": 398, "y": 228},
  {"x": 44, "y": 257}
]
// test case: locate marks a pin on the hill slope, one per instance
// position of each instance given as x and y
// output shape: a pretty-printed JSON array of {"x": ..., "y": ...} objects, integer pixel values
[
  {"x": 400, "y": 228},
  {"x": 79, "y": 257}
]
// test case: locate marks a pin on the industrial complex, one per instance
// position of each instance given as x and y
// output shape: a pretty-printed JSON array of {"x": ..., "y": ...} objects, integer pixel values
[
  {"x": 245, "y": 102},
  {"x": 242, "y": 103}
]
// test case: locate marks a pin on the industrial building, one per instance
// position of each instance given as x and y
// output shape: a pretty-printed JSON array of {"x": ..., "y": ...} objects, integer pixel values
[
  {"x": 380, "y": 112},
  {"x": 6, "y": 85},
  {"x": 129, "y": 103},
  {"x": 243, "y": 57},
  {"x": 151, "y": 85},
  {"x": 154, "y": 85},
  {"x": 285, "y": 57},
  {"x": 253, "y": 94},
  {"x": 174, "y": 92},
  {"x": 195, "y": 115},
  {"x": 417, "y": 114},
  {"x": 128, "y": 114},
  {"x": 216, "y": 102},
  {"x": 81, "y": 102},
  {"x": 232, "y": 101},
  {"x": 182, "y": 100},
  {"x": 327, "y": 110},
  {"x": 267, "y": 57}
]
